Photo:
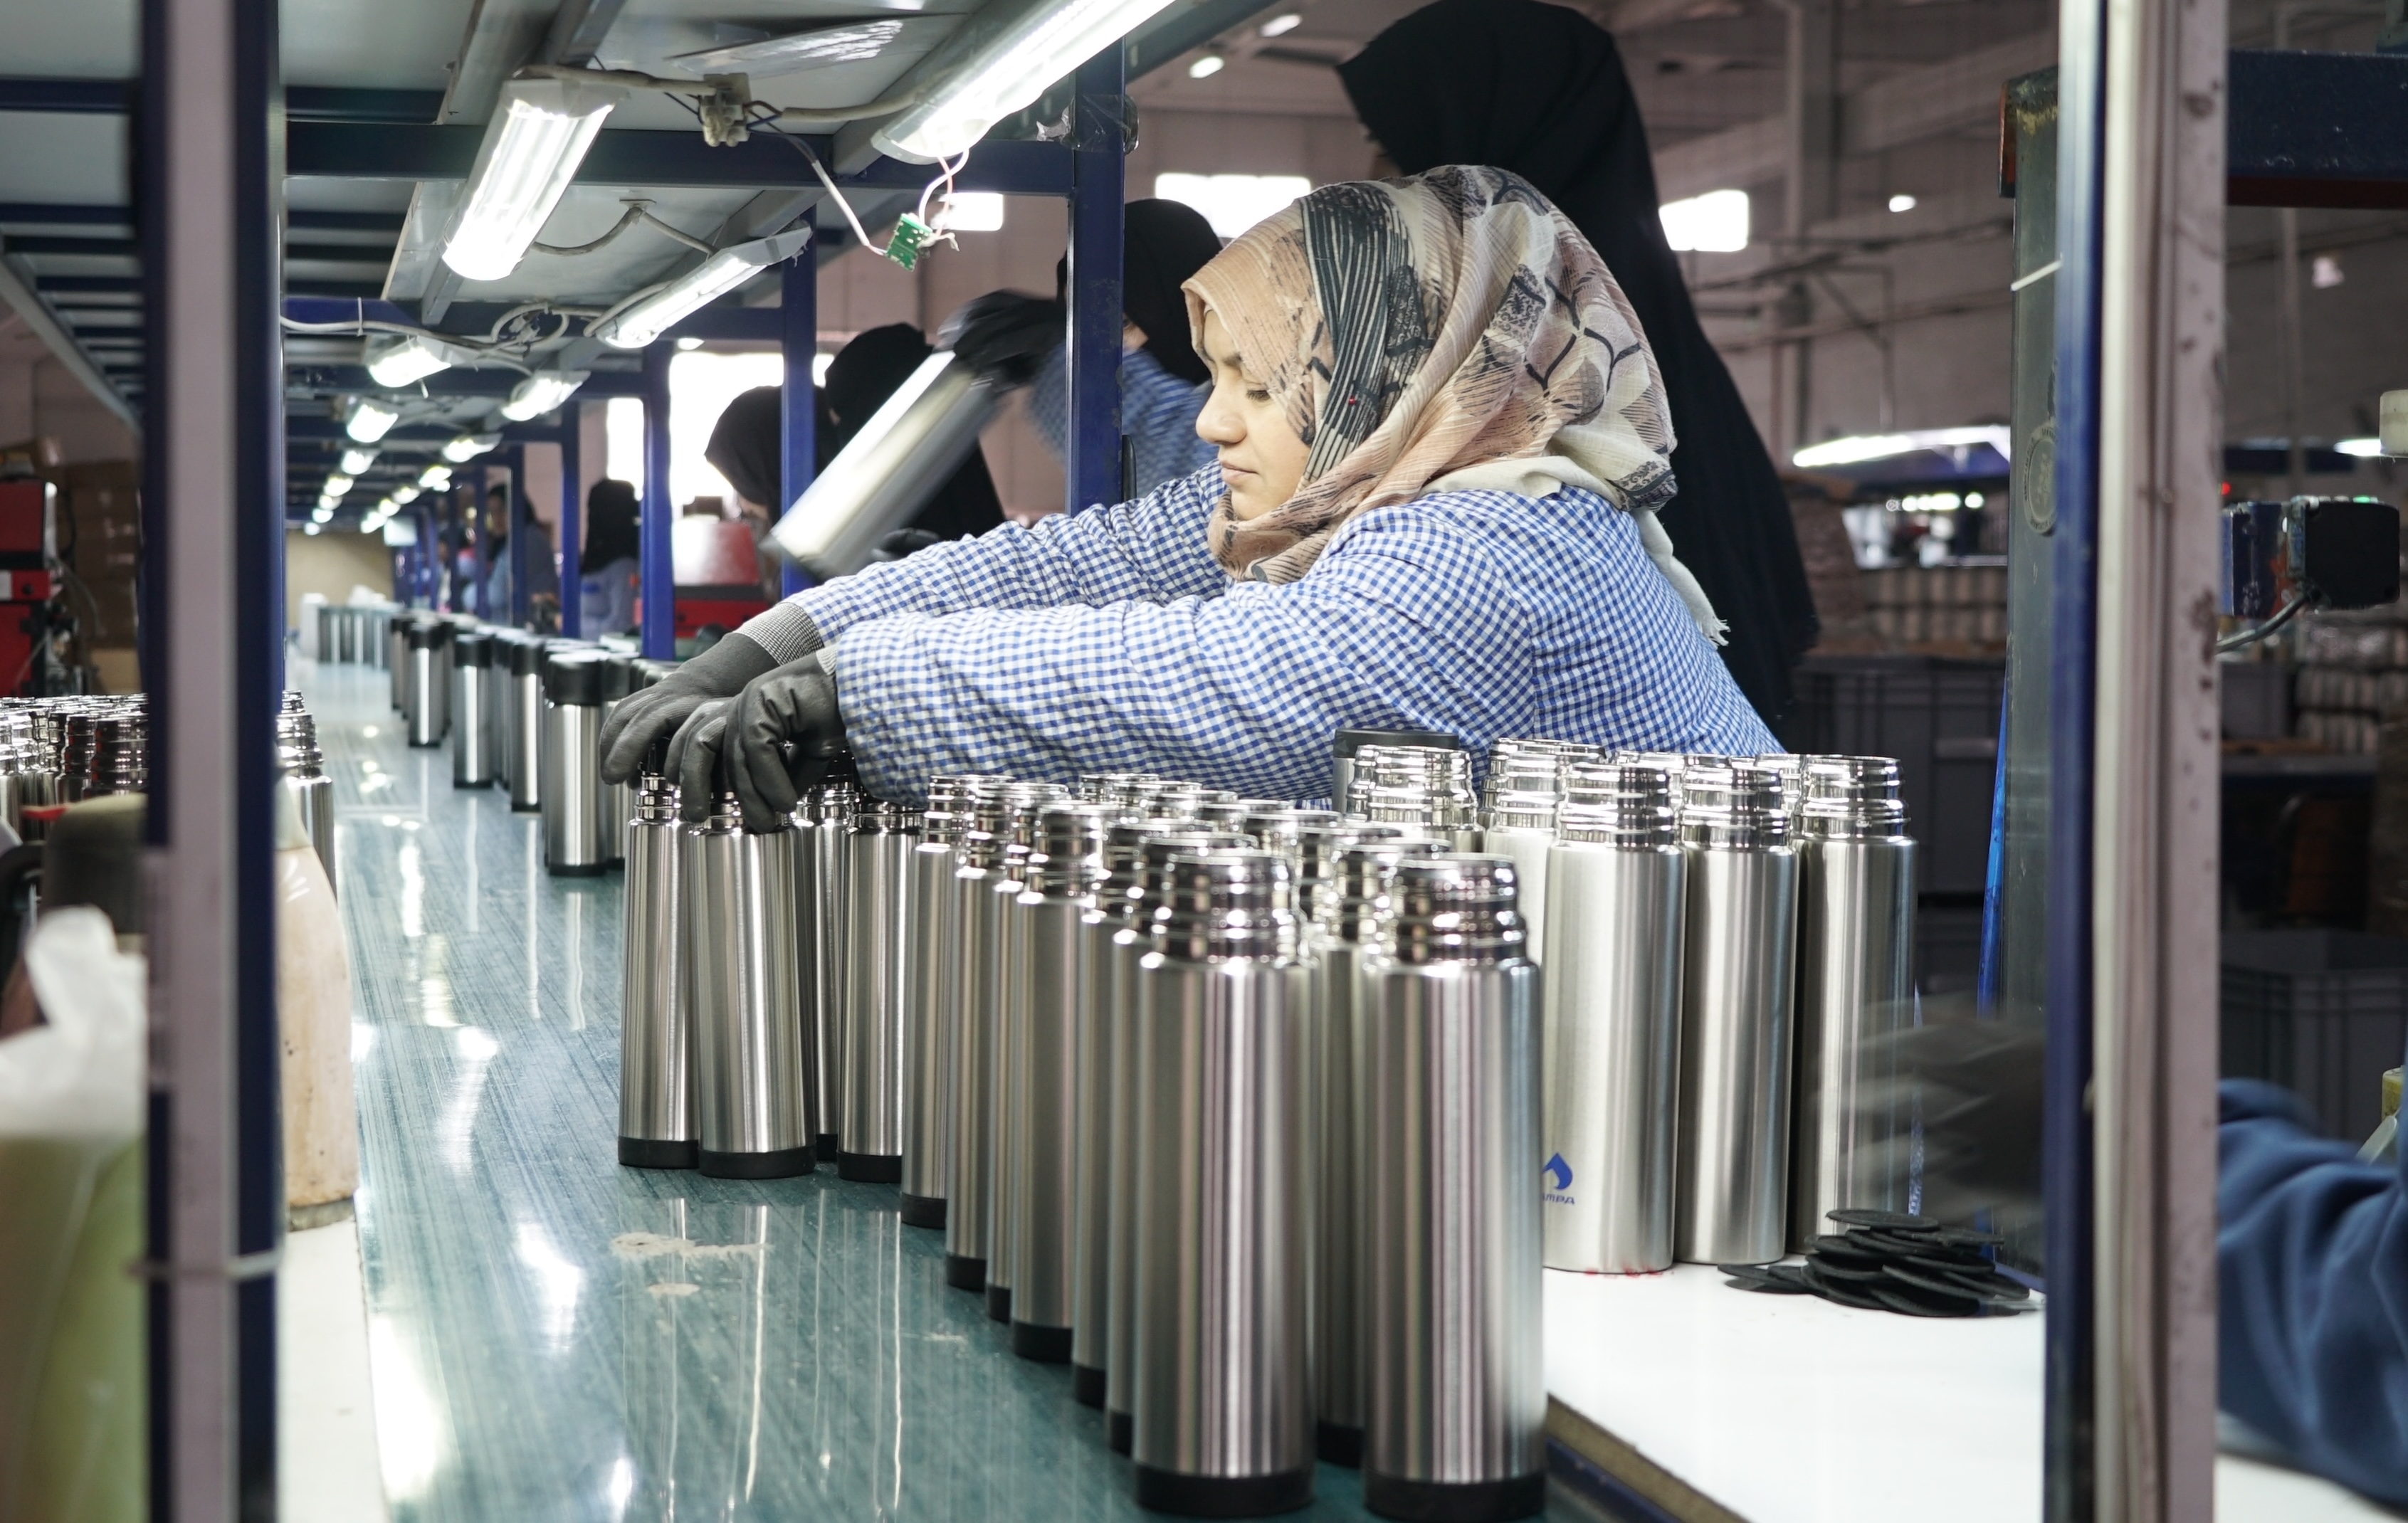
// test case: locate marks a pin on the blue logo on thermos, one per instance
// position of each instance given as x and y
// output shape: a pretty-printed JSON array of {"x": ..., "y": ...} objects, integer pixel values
[{"x": 1560, "y": 1175}]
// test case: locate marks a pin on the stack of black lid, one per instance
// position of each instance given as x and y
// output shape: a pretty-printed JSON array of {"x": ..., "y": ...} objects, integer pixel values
[{"x": 1890, "y": 1262}]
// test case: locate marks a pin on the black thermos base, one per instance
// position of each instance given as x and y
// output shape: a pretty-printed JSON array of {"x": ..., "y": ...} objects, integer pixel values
[
  {"x": 1223, "y": 1496},
  {"x": 1120, "y": 1429},
  {"x": 871, "y": 1168},
  {"x": 782, "y": 1165},
  {"x": 1339, "y": 1446},
  {"x": 924, "y": 1211},
  {"x": 1046, "y": 1346},
  {"x": 998, "y": 1302},
  {"x": 646, "y": 1153},
  {"x": 535, "y": 808},
  {"x": 827, "y": 1143},
  {"x": 1455, "y": 1501},
  {"x": 965, "y": 1273},
  {"x": 576, "y": 870},
  {"x": 1087, "y": 1385}
]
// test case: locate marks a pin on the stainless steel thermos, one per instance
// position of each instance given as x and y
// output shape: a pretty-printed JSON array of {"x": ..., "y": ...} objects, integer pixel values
[
  {"x": 1349, "y": 742},
  {"x": 1064, "y": 871},
  {"x": 1856, "y": 991},
  {"x": 928, "y": 1030},
  {"x": 1739, "y": 971},
  {"x": 751, "y": 1052},
  {"x": 472, "y": 737},
  {"x": 524, "y": 736},
  {"x": 881, "y": 983},
  {"x": 1457, "y": 1395},
  {"x": 824, "y": 821},
  {"x": 426, "y": 699},
  {"x": 296, "y": 755},
  {"x": 1007, "y": 951},
  {"x": 614, "y": 802},
  {"x": 1224, "y": 1399},
  {"x": 572, "y": 724},
  {"x": 970, "y": 1093},
  {"x": 657, "y": 1109},
  {"x": 1613, "y": 1018}
]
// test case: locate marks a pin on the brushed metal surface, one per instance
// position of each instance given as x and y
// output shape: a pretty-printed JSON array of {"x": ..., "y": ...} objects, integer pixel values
[
  {"x": 929, "y": 1033},
  {"x": 880, "y": 980},
  {"x": 1044, "y": 1177},
  {"x": 749, "y": 1052},
  {"x": 525, "y": 741},
  {"x": 977, "y": 911},
  {"x": 1739, "y": 971},
  {"x": 612, "y": 803},
  {"x": 1007, "y": 952},
  {"x": 827, "y": 840},
  {"x": 570, "y": 782},
  {"x": 655, "y": 1075},
  {"x": 1856, "y": 991},
  {"x": 1099, "y": 1036},
  {"x": 472, "y": 735},
  {"x": 427, "y": 702},
  {"x": 1613, "y": 1046},
  {"x": 1528, "y": 847}
]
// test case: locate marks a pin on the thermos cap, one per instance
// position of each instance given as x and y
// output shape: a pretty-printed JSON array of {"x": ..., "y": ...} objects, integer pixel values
[
  {"x": 1349, "y": 742},
  {"x": 527, "y": 656},
  {"x": 617, "y": 676},
  {"x": 472, "y": 647},
  {"x": 574, "y": 677},
  {"x": 429, "y": 635}
]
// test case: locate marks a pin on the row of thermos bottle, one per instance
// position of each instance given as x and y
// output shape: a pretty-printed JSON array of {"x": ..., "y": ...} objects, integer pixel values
[
  {"x": 522, "y": 712},
  {"x": 1241, "y": 1108}
]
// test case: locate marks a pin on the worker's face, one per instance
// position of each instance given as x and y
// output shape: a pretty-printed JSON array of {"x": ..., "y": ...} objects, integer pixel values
[{"x": 1261, "y": 459}]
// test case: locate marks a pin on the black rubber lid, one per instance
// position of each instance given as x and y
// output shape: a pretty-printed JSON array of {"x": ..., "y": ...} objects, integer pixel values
[
  {"x": 574, "y": 677},
  {"x": 618, "y": 677},
  {"x": 429, "y": 635},
  {"x": 1351, "y": 741},
  {"x": 527, "y": 656},
  {"x": 473, "y": 648}
]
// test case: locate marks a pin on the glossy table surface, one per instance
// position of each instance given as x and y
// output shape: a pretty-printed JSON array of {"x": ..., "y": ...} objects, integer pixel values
[{"x": 555, "y": 1337}]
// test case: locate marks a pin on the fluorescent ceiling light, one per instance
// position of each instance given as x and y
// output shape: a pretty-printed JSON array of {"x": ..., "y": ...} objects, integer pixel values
[
  {"x": 411, "y": 359},
  {"x": 1281, "y": 24},
  {"x": 541, "y": 392},
  {"x": 2362, "y": 449},
  {"x": 645, "y": 319},
  {"x": 1864, "y": 447},
  {"x": 466, "y": 447},
  {"x": 322, "y": 515},
  {"x": 309, "y": 528},
  {"x": 1207, "y": 66},
  {"x": 538, "y": 135},
  {"x": 356, "y": 462},
  {"x": 436, "y": 477},
  {"x": 1232, "y": 203},
  {"x": 328, "y": 499},
  {"x": 1714, "y": 223},
  {"x": 855, "y": 42},
  {"x": 337, "y": 484},
  {"x": 972, "y": 211},
  {"x": 1902, "y": 203},
  {"x": 371, "y": 420},
  {"x": 990, "y": 69},
  {"x": 401, "y": 495}
]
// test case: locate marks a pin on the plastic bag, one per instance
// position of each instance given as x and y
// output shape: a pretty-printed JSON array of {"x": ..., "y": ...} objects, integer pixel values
[{"x": 71, "y": 1326}]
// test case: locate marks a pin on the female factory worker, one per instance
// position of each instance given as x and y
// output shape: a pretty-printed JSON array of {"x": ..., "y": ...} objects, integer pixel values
[
  {"x": 1540, "y": 90},
  {"x": 1441, "y": 445}
]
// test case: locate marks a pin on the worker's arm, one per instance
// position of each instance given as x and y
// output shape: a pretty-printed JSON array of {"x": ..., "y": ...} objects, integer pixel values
[
  {"x": 2312, "y": 1261},
  {"x": 1414, "y": 619},
  {"x": 1152, "y": 549}
]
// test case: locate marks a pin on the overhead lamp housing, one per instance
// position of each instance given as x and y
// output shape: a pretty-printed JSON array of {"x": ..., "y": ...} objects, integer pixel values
[
  {"x": 402, "y": 496},
  {"x": 322, "y": 515},
  {"x": 337, "y": 484},
  {"x": 640, "y": 322},
  {"x": 356, "y": 462},
  {"x": 1001, "y": 59},
  {"x": 540, "y": 392},
  {"x": 467, "y": 447},
  {"x": 411, "y": 358},
  {"x": 371, "y": 420},
  {"x": 435, "y": 478},
  {"x": 539, "y": 134}
]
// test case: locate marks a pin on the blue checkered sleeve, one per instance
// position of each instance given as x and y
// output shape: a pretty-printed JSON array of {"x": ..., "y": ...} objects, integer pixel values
[
  {"x": 1158, "y": 413},
  {"x": 1483, "y": 614},
  {"x": 1153, "y": 548}
]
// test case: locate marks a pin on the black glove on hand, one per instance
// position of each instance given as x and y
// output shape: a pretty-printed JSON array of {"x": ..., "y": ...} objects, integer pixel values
[
  {"x": 1004, "y": 334},
  {"x": 694, "y": 758},
  {"x": 654, "y": 713},
  {"x": 785, "y": 729}
]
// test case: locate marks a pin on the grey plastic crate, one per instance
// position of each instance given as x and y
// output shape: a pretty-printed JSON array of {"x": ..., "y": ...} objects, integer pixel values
[
  {"x": 1940, "y": 719},
  {"x": 2320, "y": 1012}
]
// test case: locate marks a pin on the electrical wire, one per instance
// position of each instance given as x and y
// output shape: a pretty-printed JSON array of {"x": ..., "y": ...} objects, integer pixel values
[
  {"x": 814, "y": 160},
  {"x": 2283, "y": 616}
]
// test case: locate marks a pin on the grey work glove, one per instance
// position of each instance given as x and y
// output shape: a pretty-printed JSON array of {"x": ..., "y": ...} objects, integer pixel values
[
  {"x": 785, "y": 731},
  {"x": 656, "y": 713},
  {"x": 693, "y": 760},
  {"x": 1004, "y": 334}
]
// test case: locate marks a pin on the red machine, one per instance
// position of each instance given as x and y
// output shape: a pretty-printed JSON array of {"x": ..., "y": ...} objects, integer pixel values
[
  {"x": 28, "y": 558},
  {"x": 717, "y": 573}
]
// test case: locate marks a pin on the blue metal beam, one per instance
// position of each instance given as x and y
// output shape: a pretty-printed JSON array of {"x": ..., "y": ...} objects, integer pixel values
[
  {"x": 572, "y": 525},
  {"x": 798, "y": 314},
  {"x": 725, "y": 322},
  {"x": 1092, "y": 473},
  {"x": 656, "y": 572}
]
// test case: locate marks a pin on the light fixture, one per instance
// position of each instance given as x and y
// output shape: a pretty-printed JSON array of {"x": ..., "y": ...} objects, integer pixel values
[
  {"x": 1715, "y": 222},
  {"x": 1858, "y": 449},
  {"x": 1902, "y": 203},
  {"x": 371, "y": 420},
  {"x": 467, "y": 447},
  {"x": 539, "y": 134},
  {"x": 1281, "y": 24},
  {"x": 971, "y": 211},
  {"x": 328, "y": 499},
  {"x": 356, "y": 462},
  {"x": 822, "y": 47},
  {"x": 688, "y": 344},
  {"x": 1207, "y": 66},
  {"x": 412, "y": 358},
  {"x": 540, "y": 392},
  {"x": 403, "y": 496},
  {"x": 2362, "y": 449},
  {"x": 436, "y": 477},
  {"x": 986, "y": 71},
  {"x": 337, "y": 484},
  {"x": 643, "y": 319},
  {"x": 322, "y": 515},
  {"x": 309, "y": 528}
]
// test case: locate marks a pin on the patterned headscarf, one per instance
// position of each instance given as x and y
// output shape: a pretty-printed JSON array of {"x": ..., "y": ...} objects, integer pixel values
[{"x": 1443, "y": 333}]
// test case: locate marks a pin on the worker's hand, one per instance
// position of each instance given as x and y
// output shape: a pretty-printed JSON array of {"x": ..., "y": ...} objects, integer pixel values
[
  {"x": 785, "y": 731},
  {"x": 656, "y": 712},
  {"x": 1979, "y": 1085},
  {"x": 693, "y": 758},
  {"x": 1003, "y": 333}
]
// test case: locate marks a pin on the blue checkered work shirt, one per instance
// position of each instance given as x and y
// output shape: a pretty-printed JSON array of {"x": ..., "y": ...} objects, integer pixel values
[
  {"x": 1112, "y": 640},
  {"x": 1158, "y": 413}
]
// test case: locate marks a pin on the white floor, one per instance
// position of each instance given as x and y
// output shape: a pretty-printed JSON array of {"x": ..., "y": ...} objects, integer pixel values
[{"x": 326, "y": 1467}]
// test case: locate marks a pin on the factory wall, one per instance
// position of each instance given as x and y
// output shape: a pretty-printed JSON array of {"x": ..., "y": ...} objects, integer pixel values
[{"x": 330, "y": 565}]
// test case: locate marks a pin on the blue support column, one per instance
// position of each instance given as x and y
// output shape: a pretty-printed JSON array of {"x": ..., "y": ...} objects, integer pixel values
[
  {"x": 798, "y": 294},
  {"x": 1094, "y": 352},
  {"x": 657, "y": 586},
  {"x": 572, "y": 522},
  {"x": 207, "y": 192},
  {"x": 473, "y": 538},
  {"x": 2066, "y": 1168},
  {"x": 517, "y": 612}
]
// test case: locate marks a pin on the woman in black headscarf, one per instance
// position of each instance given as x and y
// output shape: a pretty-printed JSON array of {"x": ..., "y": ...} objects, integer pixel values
[
  {"x": 1540, "y": 90},
  {"x": 747, "y": 444},
  {"x": 606, "y": 580}
]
